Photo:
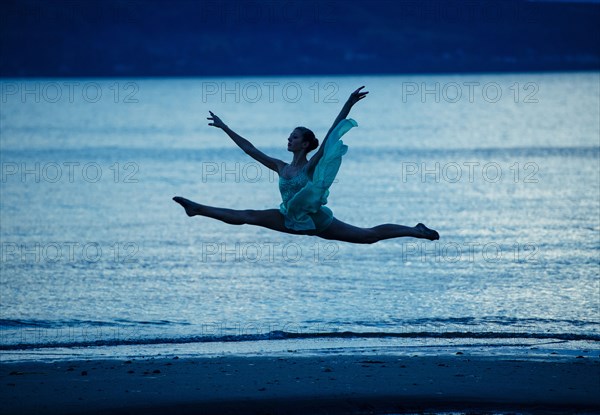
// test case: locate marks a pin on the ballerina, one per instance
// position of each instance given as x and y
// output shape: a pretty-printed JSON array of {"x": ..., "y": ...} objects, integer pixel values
[{"x": 304, "y": 186}]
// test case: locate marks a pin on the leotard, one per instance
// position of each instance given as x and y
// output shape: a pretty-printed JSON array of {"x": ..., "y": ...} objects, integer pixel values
[{"x": 303, "y": 199}]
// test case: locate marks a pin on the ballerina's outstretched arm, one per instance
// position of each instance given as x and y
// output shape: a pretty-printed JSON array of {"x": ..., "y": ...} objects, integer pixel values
[
  {"x": 353, "y": 99},
  {"x": 269, "y": 162}
]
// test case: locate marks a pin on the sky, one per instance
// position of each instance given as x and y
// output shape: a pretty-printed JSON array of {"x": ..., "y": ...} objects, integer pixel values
[{"x": 112, "y": 38}]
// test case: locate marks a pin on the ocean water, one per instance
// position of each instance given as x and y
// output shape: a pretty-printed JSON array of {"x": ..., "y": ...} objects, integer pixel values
[{"x": 97, "y": 260}]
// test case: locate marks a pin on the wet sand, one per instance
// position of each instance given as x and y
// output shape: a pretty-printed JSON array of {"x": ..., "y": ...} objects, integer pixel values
[{"x": 301, "y": 385}]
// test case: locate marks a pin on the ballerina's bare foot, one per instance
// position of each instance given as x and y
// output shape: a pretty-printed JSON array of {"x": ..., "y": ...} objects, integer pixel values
[
  {"x": 189, "y": 206},
  {"x": 427, "y": 233}
]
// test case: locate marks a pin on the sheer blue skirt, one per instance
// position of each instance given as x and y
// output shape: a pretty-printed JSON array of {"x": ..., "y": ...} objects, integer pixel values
[{"x": 305, "y": 210}]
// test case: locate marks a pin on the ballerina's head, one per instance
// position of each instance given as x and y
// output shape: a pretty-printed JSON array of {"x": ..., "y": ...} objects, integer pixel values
[{"x": 302, "y": 139}]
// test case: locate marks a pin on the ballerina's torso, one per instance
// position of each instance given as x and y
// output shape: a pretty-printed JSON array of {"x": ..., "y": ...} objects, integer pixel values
[{"x": 291, "y": 182}]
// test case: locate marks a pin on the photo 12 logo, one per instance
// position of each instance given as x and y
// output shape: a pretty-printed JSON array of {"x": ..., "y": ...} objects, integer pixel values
[
  {"x": 271, "y": 91},
  {"x": 454, "y": 172},
  {"x": 68, "y": 252},
  {"x": 269, "y": 252},
  {"x": 68, "y": 91},
  {"x": 468, "y": 252},
  {"x": 453, "y": 92},
  {"x": 68, "y": 171}
]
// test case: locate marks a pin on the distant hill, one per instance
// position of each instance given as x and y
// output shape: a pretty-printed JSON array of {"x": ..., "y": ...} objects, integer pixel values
[{"x": 66, "y": 38}]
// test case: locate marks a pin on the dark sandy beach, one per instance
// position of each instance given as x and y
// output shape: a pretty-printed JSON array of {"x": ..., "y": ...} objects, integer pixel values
[{"x": 302, "y": 385}]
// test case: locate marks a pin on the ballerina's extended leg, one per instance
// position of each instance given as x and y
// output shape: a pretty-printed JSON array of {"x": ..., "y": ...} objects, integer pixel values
[
  {"x": 345, "y": 232},
  {"x": 268, "y": 218},
  {"x": 338, "y": 230},
  {"x": 231, "y": 216}
]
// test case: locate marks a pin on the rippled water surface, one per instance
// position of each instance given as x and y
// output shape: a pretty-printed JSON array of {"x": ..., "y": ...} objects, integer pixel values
[{"x": 94, "y": 251}]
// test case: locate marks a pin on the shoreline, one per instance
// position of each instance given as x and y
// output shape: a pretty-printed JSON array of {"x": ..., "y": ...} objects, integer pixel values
[{"x": 332, "y": 384}]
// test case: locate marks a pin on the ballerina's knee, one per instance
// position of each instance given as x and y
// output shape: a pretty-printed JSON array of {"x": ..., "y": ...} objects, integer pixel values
[
  {"x": 239, "y": 218},
  {"x": 364, "y": 236},
  {"x": 253, "y": 217},
  {"x": 370, "y": 236}
]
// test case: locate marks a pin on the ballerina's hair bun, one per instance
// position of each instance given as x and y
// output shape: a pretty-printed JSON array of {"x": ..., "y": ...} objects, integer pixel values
[{"x": 308, "y": 135}]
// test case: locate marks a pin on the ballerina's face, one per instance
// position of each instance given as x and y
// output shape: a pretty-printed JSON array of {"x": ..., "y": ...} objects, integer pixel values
[{"x": 296, "y": 141}]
